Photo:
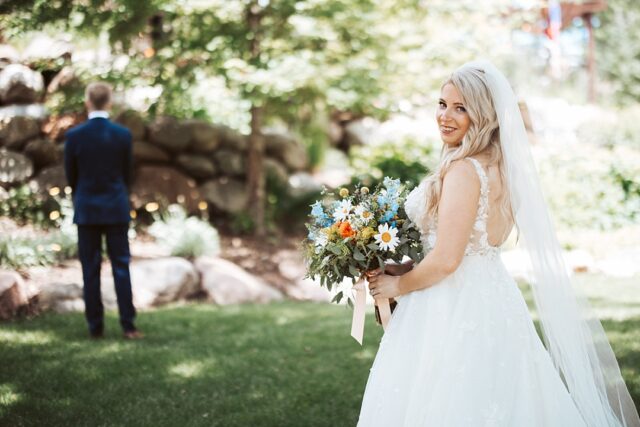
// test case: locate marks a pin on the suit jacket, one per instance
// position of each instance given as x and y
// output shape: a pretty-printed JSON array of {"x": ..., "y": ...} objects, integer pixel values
[{"x": 98, "y": 161}]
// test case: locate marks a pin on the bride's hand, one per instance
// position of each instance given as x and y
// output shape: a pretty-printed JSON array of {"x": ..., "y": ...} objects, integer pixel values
[{"x": 384, "y": 286}]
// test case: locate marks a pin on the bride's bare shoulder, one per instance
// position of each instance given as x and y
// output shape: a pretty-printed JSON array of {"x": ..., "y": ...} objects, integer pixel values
[{"x": 461, "y": 170}]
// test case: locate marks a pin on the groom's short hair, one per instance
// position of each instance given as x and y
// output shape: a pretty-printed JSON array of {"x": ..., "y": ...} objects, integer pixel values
[{"x": 98, "y": 94}]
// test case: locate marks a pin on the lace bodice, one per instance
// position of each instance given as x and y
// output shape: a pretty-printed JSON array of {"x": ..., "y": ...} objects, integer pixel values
[{"x": 416, "y": 208}]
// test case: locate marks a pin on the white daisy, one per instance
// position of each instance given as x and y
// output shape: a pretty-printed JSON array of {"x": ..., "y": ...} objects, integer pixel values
[
  {"x": 343, "y": 210},
  {"x": 387, "y": 237},
  {"x": 363, "y": 212}
]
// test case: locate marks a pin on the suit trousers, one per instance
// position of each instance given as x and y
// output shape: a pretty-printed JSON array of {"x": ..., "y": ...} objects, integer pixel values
[{"x": 90, "y": 253}]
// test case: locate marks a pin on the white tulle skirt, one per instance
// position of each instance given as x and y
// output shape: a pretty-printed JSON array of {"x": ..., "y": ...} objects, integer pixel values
[{"x": 465, "y": 353}]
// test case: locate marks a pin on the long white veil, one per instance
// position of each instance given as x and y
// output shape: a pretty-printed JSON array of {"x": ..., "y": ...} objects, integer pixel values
[{"x": 573, "y": 335}]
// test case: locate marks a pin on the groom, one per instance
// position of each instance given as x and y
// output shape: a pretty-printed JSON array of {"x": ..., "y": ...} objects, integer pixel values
[{"x": 98, "y": 162}]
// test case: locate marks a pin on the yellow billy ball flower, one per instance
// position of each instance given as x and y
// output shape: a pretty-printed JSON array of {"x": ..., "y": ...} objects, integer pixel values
[
  {"x": 364, "y": 190},
  {"x": 344, "y": 192}
]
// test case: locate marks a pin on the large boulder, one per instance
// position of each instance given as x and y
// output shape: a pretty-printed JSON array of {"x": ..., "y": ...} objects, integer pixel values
[
  {"x": 360, "y": 132},
  {"x": 230, "y": 162},
  {"x": 8, "y": 55},
  {"x": 16, "y": 130},
  {"x": 275, "y": 170},
  {"x": 43, "y": 47},
  {"x": 287, "y": 149},
  {"x": 14, "y": 167},
  {"x": 13, "y": 294},
  {"x": 196, "y": 166},
  {"x": 167, "y": 132},
  {"x": 156, "y": 282},
  {"x": 205, "y": 137},
  {"x": 145, "y": 152},
  {"x": 63, "y": 297},
  {"x": 35, "y": 111},
  {"x": 49, "y": 177},
  {"x": 153, "y": 183},
  {"x": 43, "y": 152},
  {"x": 302, "y": 184},
  {"x": 133, "y": 121},
  {"x": 20, "y": 85},
  {"x": 232, "y": 139},
  {"x": 227, "y": 283},
  {"x": 56, "y": 126},
  {"x": 227, "y": 195}
]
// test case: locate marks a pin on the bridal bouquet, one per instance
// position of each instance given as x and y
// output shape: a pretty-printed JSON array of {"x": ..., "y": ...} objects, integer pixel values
[{"x": 351, "y": 233}]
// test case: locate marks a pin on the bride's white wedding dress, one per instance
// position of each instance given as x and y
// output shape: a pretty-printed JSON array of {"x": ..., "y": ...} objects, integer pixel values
[{"x": 465, "y": 351}]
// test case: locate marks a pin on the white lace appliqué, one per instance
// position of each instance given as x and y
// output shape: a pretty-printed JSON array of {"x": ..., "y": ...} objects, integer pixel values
[{"x": 416, "y": 207}]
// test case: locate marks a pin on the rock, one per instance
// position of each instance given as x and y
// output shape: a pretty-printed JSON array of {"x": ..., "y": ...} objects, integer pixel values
[
  {"x": 169, "y": 133},
  {"x": 49, "y": 177},
  {"x": 146, "y": 152},
  {"x": 227, "y": 283},
  {"x": 66, "y": 78},
  {"x": 287, "y": 149},
  {"x": 232, "y": 139},
  {"x": 308, "y": 290},
  {"x": 13, "y": 294},
  {"x": 56, "y": 126},
  {"x": 8, "y": 55},
  {"x": 34, "y": 111},
  {"x": 45, "y": 47},
  {"x": 15, "y": 131},
  {"x": 43, "y": 152},
  {"x": 276, "y": 170},
  {"x": 197, "y": 166},
  {"x": 14, "y": 167},
  {"x": 62, "y": 297},
  {"x": 230, "y": 162},
  {"x": 228, "y": 195},
  {"x": 359, "y": 132},
  {"x": 159, "y": 281},
  {"x": 153, "y": 183},
  {"x": 302, "y": 184},
  {"x": 133, "y": 121},
  {"x": 205, "y": 137},
  {"x": 20, "y": 85}
]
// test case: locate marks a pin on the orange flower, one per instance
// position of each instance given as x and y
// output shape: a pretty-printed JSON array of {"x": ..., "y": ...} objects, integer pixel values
[{"x": 346, "y": 230}]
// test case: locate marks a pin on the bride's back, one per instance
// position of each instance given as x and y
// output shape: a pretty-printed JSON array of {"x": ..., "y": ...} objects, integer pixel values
[{"x": 499, "y": 224}]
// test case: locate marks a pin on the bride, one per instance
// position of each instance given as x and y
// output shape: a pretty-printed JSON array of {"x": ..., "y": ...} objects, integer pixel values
[{"x": 461, "y": 348}]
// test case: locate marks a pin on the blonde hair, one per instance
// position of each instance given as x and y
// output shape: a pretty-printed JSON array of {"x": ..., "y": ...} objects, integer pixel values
[
  {"x": 98, "y": 94},
  {"x": 482, "y": 136}
]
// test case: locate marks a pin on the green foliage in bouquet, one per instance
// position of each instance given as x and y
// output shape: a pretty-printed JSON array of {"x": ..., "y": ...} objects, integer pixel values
[{"x": 361, "y": 231}]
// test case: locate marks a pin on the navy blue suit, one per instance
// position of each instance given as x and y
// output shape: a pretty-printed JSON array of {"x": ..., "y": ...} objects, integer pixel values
[{"x": 98, "y": 164}]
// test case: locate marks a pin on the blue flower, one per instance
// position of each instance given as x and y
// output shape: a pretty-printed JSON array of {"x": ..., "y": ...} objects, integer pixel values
[
  {"x": 319, "y": 215},
  {"x": 388, "y": 215}
]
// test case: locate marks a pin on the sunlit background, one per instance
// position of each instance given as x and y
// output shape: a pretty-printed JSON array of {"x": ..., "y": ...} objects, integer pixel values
[{"x": 302, "y": 95}]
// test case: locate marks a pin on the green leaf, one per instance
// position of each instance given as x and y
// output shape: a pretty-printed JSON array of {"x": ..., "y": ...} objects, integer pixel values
[
  {"x": 337, "y": 298},
  {"x": 357, "y": 255}
]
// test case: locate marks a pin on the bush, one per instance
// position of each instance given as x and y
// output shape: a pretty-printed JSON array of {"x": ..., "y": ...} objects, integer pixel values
[
  {"x": 26, "y": 205},
  {"x": 185, "y": 236},
  {"x": 406, "y": 159},
  {"x": 594, "y": 187}
]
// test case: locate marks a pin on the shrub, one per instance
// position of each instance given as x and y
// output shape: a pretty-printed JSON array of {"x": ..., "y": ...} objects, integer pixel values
[
  {"x": 185, "y": 236},
  {"x": 407, "y": 159}
]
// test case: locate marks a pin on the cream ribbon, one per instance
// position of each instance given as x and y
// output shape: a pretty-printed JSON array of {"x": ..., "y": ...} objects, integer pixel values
[{"x": 357, "y": 323}]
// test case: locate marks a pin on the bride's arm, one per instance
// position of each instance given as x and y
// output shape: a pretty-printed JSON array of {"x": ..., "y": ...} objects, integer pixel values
[{"x": 456, "y": 216}]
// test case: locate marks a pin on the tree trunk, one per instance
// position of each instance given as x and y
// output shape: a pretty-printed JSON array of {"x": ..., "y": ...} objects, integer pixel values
[{"x": 255, "y": 173}]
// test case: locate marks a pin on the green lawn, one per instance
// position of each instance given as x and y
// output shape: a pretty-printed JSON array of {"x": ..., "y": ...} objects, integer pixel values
[{"x": 285, "y": 364}]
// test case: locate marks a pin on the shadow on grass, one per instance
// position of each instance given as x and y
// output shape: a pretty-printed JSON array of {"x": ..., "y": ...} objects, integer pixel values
[
  {"x": 285, "y": 364},
  {"x": 288, "y": 364}
]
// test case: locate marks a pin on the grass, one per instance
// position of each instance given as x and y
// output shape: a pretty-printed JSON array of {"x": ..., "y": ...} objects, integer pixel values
[{"x": 284, "y": 364}]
